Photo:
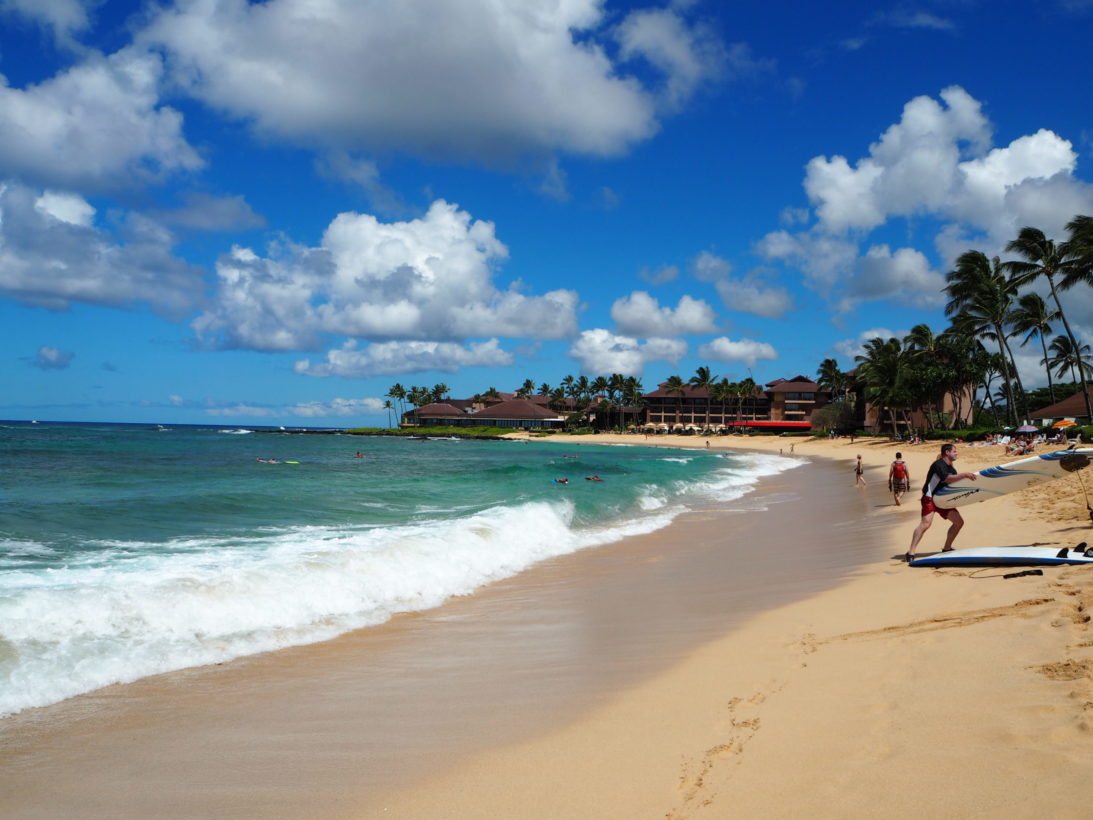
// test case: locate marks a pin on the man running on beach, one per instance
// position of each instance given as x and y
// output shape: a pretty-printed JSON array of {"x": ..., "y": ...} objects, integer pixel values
[{"x": 941, "y": 472}]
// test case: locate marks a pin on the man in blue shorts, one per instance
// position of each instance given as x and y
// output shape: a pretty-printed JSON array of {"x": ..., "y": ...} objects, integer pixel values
[{"x": 941, "y": 472}]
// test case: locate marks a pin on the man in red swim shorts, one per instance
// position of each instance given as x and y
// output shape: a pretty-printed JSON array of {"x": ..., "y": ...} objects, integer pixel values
[{"x": 941, "y": 472}]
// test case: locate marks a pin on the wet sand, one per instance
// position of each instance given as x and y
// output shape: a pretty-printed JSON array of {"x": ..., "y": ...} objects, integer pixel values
[{"x": 332, "y": 729}]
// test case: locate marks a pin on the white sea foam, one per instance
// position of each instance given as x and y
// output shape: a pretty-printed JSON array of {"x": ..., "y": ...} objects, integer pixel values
[
  {"x": 192, "y": 602},
  {"x": 236, "y": 431}
]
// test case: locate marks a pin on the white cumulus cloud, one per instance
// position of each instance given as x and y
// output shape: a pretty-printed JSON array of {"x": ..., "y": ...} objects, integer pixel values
[
  {"x": 485, "y": 80},
  {"x": 53, "y": 255},
  {"x": 599, "y": 351},
  {"x": 935, "y": 165},
  {"x": 639, "y": 314},
  {"x": 429, "y": 278},
  {"x": 747, "y": 351},
  {"x": 97, "y": 126},
  {"x": 393, "y": 358}
]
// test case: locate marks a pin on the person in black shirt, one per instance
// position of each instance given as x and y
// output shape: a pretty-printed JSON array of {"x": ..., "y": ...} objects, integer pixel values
[{"x": 941, "y": 472}]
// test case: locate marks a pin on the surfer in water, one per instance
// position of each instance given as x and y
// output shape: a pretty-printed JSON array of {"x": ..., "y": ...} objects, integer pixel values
[{"x": 941, "y": 472}]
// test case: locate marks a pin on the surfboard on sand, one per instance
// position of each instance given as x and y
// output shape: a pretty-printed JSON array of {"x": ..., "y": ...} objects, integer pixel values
[
  {"x": 1016, "y": 475},
  {"x": 1008, "y": 557}
]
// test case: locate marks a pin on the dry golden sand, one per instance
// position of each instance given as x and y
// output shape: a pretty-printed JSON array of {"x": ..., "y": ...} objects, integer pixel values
[{"x": 945, "y": 693}]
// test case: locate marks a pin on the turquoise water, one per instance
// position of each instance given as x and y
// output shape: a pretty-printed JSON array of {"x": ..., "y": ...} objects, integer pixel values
[{"x": 131, "y": 550}]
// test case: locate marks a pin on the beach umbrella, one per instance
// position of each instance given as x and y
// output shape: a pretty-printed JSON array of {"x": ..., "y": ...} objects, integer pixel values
[
  {"x": 1064, "y": 423},
  {"x": 1026, "y": 428}
]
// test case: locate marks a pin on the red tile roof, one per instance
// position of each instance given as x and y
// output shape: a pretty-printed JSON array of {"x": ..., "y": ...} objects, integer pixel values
[{"x": 516, "y": 409}]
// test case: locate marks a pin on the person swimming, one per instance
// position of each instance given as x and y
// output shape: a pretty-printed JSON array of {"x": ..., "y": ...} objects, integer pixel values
[
  {"x": 560, "y": 480},
  {"x": 592, "y": 478}
]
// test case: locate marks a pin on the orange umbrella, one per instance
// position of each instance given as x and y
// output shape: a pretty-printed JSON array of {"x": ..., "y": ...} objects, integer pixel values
[{"x": 1064, "y": 423}]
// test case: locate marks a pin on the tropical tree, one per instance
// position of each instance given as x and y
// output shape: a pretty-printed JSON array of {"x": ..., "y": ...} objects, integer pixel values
[
  {"x": 440, "y": 392},
  {"x": 675, "y": 385},
  {"x": 1043, "y": 258},
  {"x": 830, "y": 378},
  {"x": 723, "y": 391},
  {"x": 1033, "y": 318},
  {"x": 558, "y": 399},
  {"x": 398, "y": 393},
  {"x": 388, "y": 406},
  {"x": 703, "y": 379},
  {"x": 526, "y": 389},
  {"x": 632, "y": 393},
  {"x": 744, "y": 390},
  {"x": 980, "y": 298},
  {"x": 584, "y": 389},
  {"x": 883, "y": 370},
  {"x": 1065, "y": 357},
  {"x": 545, "y": 389}
]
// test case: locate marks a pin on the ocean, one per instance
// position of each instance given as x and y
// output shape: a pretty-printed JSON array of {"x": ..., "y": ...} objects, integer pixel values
[{"x": 132, "y": 550}]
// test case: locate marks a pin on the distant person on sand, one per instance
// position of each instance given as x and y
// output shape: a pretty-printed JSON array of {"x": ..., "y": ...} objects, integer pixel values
[
  {"x": 899, "y": 478},
  {"x": 941, "y": 472},
  {"x": 859, "y": 474}
]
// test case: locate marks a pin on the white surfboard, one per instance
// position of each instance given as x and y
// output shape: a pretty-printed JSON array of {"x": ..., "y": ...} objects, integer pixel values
[
  {"x": 1007, "y": 557},
  {"x": 1006, "y": 478}
]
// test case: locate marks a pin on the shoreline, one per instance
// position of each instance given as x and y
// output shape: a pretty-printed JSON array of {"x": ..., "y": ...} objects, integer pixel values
[{"x": 840, "y": 678}]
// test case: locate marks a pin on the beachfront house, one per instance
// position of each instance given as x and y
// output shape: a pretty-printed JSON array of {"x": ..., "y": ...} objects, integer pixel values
[
  {"x": 512, "y": 412},
  {"x": 1071, "y": 408}
]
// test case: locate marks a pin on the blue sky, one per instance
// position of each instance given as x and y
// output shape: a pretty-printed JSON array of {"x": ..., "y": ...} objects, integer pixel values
[{"x": 214, "y": 211}]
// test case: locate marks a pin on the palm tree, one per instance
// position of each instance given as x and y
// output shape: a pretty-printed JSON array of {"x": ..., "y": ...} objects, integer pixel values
[
  {"x": 1033, "y": 318},
  {"x": 830, "y": 378},
  {"x": 1067, "y": 357},
  {"x": 583, "y": 388},
  {"x": 632, "y": 393},
  {"x": 1044, "y": 258},
  {"x": 388, "y": 406},
  {"x": 599, "y": 386},
  {"x": 722, "y": 391},
  {"x": 558, "y": 399},
  {"x": 545, "y": 389},
  {"x": 981, "y": 297},
  {"x": 674, "y": 384},
  {"x": 526, "y": 389},
  {"x": 398, "y": 393},
  {"x": 882, "y": 368},
  {"x": 703, "y": 379},
  {"x": 745, "y": 389},
  {"x": 440, "y": 392}
]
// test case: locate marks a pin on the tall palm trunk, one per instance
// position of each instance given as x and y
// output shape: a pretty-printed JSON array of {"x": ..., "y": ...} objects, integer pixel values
[
  {"x": 1016, "y": 376},
  {"x": 1074, "y": 344}
]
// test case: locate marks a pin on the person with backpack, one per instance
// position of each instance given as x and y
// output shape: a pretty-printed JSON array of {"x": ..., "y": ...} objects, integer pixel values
[{"x": 899, "y": 478}]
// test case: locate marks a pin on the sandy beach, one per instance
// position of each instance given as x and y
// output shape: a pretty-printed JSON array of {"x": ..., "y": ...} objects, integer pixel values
[
  {"x": 861, "y": 687},
  {"x": 948, "y": 693}
]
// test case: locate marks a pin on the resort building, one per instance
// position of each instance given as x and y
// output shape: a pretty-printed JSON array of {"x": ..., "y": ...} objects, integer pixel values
[{"x": 783, "y": 404}]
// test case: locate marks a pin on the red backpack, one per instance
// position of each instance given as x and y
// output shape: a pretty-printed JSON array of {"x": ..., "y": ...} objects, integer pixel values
[{"x": 899, "y": 469}]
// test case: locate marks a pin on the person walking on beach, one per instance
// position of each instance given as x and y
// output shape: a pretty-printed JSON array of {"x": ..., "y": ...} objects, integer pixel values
[
  {"x": 859, "y": 474},
  {"x": 941, "y": 472},
  {"x": 899, "y": 478}
]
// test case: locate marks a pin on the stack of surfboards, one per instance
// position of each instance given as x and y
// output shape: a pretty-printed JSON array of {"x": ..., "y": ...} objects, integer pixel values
[{"x": 994, "y": 482}]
